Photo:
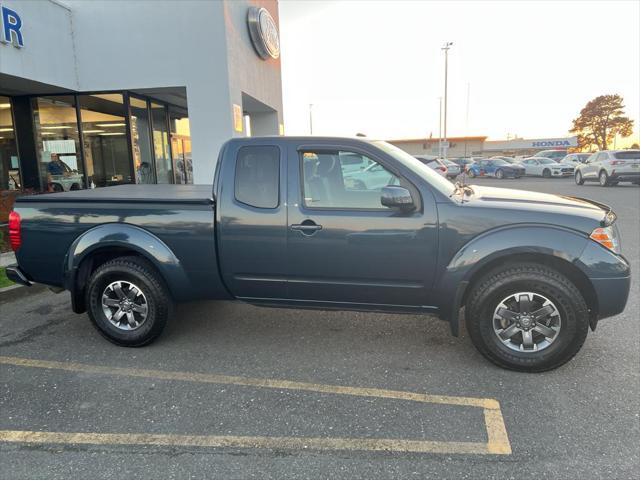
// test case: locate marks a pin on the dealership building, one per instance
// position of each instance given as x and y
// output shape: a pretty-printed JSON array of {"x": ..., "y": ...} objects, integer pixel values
[
  {"x": 481, "y": 147},
  {"x": 103, "y": 93}
]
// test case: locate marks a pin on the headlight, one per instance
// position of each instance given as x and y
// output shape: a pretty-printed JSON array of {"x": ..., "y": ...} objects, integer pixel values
[{"x": 606, "y": 236}]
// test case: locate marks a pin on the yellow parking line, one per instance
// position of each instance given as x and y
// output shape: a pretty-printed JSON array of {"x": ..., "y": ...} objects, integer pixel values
[
  {"x": 498, "y": 441},
  {"x": 290, "y": 443}
]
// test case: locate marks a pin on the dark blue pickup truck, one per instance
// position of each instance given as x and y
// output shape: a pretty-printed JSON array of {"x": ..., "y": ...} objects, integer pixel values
[{"x": 332, "y": 223}]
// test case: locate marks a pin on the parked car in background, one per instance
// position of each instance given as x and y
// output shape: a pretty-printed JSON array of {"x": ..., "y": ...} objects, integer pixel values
[
  {"x": 371, "y": 178},
  {"x": 463, "y": 163},
  {"x": 555, "y": 155},
  {"x": 576, "y": 158},
  {"x": 435, "y": 163},
  {"x": 495, "y": 168},
  {"x": 610, "y": 167},
  {"x": 506, "y": 159},
  {"x": 353, "y": 162},
  {"x": 546, "y": 167},
  {"x": 453, "y": 169}
]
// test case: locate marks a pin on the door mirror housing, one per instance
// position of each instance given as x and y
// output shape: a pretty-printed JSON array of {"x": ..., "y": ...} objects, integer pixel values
[{"x": 397, "y": 197}]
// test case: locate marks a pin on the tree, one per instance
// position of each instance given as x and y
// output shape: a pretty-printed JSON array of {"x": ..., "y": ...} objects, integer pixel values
[{"x": 600, "y": 121}]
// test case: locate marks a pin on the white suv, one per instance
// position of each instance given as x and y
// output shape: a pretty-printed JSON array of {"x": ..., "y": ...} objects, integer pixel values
[{"x": 610, "y": 167}]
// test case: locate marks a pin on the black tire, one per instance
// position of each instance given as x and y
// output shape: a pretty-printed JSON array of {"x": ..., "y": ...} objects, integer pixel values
[
  {"x": 57, "y": 187},
  {"x": 139, "y": 272},
  {"x": 490, "y": 290},
  {"x": 578, "y": 178},
  {"x": 546, "y": 173},
  {"x": 499, "y": 174},
  {"x": 603, "y": 179}
]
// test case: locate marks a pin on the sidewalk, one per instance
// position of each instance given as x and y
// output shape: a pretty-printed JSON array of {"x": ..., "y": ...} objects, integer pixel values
[{"x": 7, "y": 259}]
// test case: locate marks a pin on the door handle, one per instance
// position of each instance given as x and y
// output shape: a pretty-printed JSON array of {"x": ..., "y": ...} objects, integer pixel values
[{"x": 307, "y": 227}]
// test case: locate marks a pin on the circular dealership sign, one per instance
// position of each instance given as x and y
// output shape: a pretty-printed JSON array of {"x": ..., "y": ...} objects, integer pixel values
[{"x": 263, "y": 32}]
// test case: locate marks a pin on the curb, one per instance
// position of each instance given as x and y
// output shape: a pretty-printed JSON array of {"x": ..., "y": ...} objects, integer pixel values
[{"x": 15, "y": 292}]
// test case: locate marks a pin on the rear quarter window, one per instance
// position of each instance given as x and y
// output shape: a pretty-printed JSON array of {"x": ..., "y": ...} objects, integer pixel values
[{"x": 257, "y": 180}]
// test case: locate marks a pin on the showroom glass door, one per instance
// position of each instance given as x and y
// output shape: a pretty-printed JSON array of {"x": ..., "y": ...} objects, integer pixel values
[
  {"x": 104, "y": 136},
  {"x": 58, "y": 143},
  {"x": 9, "y": 163},
  {"x": 161, "y": 148},
  {"x": 181, "y": 145},
  {"x": 143, "y": 163}
]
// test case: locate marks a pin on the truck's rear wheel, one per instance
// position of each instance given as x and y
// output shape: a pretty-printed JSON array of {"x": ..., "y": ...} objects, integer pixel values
[
  {"x": 128, "y": 302},
  {"x": 527, "y": 317}
]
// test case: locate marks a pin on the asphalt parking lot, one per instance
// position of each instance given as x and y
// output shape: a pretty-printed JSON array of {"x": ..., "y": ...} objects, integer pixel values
[{"x": 235, "y": 391}]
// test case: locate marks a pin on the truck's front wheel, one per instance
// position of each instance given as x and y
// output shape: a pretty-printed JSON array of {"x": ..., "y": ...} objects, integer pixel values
[
  {"x": 128, "y": 302},
  {"x": 527, "y": 317}
]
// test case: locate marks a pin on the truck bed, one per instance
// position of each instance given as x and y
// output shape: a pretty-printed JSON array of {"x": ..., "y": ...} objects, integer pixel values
[
  {"x": 180, "y": 216},
  {"x": 181, "y": 194}
]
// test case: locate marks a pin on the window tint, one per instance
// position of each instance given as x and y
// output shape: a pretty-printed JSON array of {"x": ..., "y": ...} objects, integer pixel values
[
  {"x": 602, "y": 156},
  {"x": 258, "y": 176},
  {"x": 329, "y": 182},
  {"x": 628, "y": 155}
]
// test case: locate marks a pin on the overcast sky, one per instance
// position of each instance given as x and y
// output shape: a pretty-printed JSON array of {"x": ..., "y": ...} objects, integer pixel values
[{"x": 376, "y": 66}]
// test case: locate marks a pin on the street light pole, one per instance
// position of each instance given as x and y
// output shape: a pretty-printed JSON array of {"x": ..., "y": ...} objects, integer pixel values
[
  {"x": 440, "y": 129},
  {"x": 311, "y": 119},
  {"x": 446, "y": 48}
]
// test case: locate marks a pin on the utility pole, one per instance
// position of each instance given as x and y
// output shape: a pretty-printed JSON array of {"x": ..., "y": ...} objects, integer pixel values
[
  {"x": 440, "y": 130},
  {"x": 466, "y": 123},
  {"x": 446, "y": 48},
  {"x": 311, "y": 119}
]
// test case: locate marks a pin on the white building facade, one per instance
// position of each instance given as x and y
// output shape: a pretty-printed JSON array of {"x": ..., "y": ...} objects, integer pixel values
[{"x": 101, "y": 93}]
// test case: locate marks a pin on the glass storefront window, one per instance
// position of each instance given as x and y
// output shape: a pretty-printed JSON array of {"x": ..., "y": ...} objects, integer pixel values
[
  {"x": 104, "y": 135},
  {"x": 141, "y": 138},
  {"x": 181, "y": 145},
  {"x": 58, "y": 143},
  {"x": 164, "y": 167},
  {"x": 9, "y": 163}
]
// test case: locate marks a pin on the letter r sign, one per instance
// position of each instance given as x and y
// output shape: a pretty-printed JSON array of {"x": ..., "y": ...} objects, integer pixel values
[{"x": 11, "y": 25}]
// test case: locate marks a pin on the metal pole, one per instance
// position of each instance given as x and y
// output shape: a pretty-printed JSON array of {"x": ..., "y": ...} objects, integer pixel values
[
  {"x": 446, "y": 73},
  {"x": 311, "y": 118},
  {"x": 440, "y": 129},
  {"x": 466, "y": 123}
]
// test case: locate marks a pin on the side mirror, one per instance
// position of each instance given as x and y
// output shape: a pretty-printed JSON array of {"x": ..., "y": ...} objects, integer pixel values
[{"x": 397, "y": 197}]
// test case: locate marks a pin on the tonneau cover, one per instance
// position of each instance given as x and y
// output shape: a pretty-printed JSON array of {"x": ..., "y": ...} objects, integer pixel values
[{"x": 195, "y": 194}]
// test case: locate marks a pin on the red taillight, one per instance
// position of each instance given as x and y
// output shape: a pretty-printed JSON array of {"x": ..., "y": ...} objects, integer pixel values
[
  {"x": 15, "y": 238},
  {"x": 442, "y": 169},
  {"x": 617, "y": 162}
]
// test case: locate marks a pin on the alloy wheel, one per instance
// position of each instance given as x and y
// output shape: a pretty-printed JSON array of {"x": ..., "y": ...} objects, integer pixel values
[
  {"x": 526, "y": 322},
  {"x": 125, "y": 305}
]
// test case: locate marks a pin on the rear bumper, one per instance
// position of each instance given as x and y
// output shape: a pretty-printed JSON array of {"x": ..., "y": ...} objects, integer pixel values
[
  {"x": 625, "y": 175},
  {"x": 16, "y": 275}
]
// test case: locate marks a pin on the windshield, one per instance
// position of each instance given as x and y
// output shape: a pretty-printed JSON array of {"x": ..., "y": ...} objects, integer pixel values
[
  {"x": 546, "y": 161},
  {"x": 434, "y": 179},
  {"x": 499, "y": 161}
]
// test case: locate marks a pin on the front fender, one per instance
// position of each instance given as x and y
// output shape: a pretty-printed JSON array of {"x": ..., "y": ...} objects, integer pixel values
[
  {"x": 126, "y": 237},
  {"x": 503, "y": 242}
]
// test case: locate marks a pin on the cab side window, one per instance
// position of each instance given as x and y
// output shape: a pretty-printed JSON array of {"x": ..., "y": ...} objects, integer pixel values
[
  {"x": 331, "y": 181},
  {"x": 257, "y": 181}
]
